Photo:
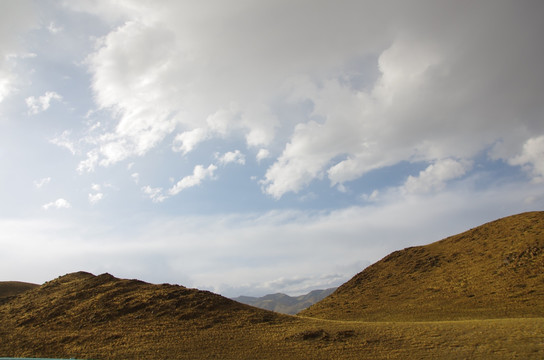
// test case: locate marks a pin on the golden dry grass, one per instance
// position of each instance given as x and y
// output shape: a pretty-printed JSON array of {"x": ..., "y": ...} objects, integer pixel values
[
  {"x": 300, "y": 338},
  {"x": 493, "y": 271}
]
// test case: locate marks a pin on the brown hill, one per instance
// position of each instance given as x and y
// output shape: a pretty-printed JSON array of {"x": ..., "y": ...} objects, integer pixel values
[
  {"x": 90, "y": 315},
  {"x": 14, "y": 288},
  {"x": 493, "y": 271}
]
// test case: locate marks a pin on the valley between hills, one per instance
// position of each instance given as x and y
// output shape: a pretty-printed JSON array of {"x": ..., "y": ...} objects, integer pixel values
[{"x": 477, "y": 295}]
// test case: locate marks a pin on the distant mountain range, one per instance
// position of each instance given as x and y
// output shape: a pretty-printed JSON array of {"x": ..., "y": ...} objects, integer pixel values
[{"x": 285, "y": 304}]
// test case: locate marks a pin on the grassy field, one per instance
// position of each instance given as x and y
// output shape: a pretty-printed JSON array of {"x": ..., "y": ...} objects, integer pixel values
[{"x": 298, "y": 338}]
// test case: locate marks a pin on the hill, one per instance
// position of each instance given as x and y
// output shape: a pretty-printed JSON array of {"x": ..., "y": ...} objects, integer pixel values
[
  {"x": 492, "y": 271},
  {"x": 14, "y": 288},
  {"x": 283, "y": 303},
  {"x": 86, "y": 315}
]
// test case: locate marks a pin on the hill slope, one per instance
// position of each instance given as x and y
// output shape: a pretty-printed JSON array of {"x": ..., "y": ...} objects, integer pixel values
[
  {"x": 283, "y": 303},
  {"x": 81, "y": 313},
  {"x": 14, "y": 288},
  {"x": 493, "y": 271}
]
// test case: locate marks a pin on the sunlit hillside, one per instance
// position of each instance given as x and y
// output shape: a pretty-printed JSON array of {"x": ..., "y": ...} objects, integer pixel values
[{"x": 493, "y": 271}]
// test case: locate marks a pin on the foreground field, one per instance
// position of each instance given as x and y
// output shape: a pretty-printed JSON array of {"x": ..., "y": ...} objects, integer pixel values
[{"x": 296, "y": 338}]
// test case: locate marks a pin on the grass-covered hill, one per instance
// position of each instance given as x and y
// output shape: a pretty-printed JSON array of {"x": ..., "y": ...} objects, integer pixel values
[
  {"x": 83, "y": 315},
  {"x": 14, "y": 288},
  {"x": 283, "y": 303},
  {"x": 492, "y": 271}
]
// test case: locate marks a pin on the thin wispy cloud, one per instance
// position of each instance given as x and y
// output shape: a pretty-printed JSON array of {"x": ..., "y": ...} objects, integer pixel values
[
  {"x": 200, "y": 173},
  {"x": 95, "y": 198},
  {"x": 155, "y": 194},
  {"x": 57, "y": 204},
  {"x": 41, "y": 103},
  {"x": 42, "y": 182}
]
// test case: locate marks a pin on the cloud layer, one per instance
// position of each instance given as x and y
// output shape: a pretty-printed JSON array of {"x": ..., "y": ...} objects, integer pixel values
[
  {"x": 440, "y": 83},
  {"x": 252, "y": 253}
]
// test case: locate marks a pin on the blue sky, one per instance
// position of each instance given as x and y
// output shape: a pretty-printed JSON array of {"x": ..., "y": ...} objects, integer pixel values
[{"x": 255, "y": 147}]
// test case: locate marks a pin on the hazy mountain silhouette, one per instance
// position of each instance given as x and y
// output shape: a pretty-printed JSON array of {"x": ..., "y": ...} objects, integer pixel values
[{"x": 283, "y": 303}]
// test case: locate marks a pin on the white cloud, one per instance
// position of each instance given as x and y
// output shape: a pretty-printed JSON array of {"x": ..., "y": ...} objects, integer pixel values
[
  {"x": 124, "y": 85},
  {"x": 231, "y": 157},
  {"x": 373, "y": 196},
  {"x": 263, "y": 154},
  {"x": 155, "y": 194},
  {"x": 42, "y": 103},
  {"x": 381, "y": 88},
  {"x": 5, "y": 84},
  {"x": 42, "y": 182},
  {"x": 200, "y": 82},
  {"x": 200, "y": 173},
  {"x": 532, "y": 158},
  {"x": 435, "y": 176},
  {"x": 63, "y": 140},
  {"x": 420, "y": 108},
  {"x": 54, "y": 29},
  {"x": 135, "y": 177},
  {"x": 95, "y": 198},
  {"x": 58, "y": 204},
  {"x": 89, "y": 164},
  {"x": 186, "y": 141},
  {"x": 97, "y": 195}
]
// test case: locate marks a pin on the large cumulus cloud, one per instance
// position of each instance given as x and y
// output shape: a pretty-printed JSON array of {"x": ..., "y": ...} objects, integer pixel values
[{"x": 384, "y": 82}]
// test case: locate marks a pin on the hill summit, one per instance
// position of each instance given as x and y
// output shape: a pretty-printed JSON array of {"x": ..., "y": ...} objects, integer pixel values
[{"x": 492, "y": 271}]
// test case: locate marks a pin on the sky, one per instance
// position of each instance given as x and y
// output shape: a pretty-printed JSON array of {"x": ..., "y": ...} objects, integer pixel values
[{"x": 253, "y": 147}]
